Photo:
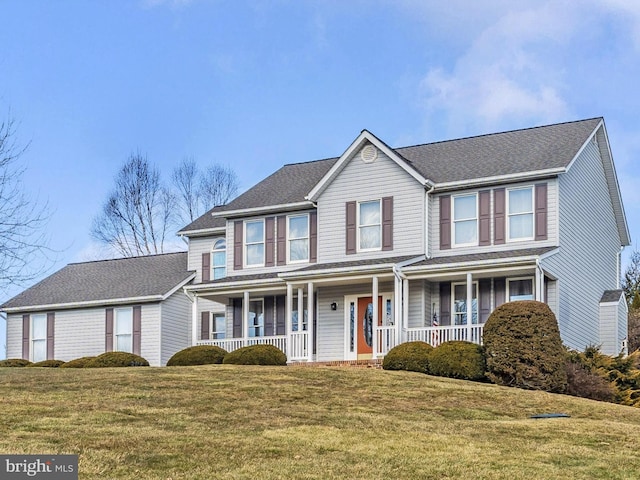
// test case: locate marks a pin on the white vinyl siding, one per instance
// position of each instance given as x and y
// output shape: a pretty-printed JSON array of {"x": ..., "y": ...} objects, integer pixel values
[
  {"x": 362, "y": 182},
  {"x": 198, "y": 246},
  {"x": 589, "y": 244},
  {"x": 176, "y": 325}
]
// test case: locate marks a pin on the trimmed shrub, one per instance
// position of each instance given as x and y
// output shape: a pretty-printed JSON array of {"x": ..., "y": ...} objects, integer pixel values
[
  {"x": 411, "y": 356},
  {"x": 256, "y": 355},
  {"x": 582, "y": 382},
  {"x": 198, "y": 355},
  {"x": 523, "y": 347},
  {"x": 47, "y": 363},
  {"x": 14, "y": 362},
  {"x": 77, "y": 363},
  {"x": 117, "y": 359},
  {"x": 458, "y": 359}
]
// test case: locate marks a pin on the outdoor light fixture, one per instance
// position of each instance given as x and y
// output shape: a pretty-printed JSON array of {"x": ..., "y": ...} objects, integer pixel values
[{"x": 334, "y": 306}]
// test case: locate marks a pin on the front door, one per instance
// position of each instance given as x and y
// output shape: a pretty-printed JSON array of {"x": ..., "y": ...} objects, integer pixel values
[{"x": 364, "y": 326}]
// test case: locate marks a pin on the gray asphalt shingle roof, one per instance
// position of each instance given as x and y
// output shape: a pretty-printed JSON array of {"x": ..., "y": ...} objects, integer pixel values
[
  {"x": 153, "y": 275},
  {"x": 610, "y": 296},
  {"x": 479, "y": 257},
  {"x": 484, "y": 156}
]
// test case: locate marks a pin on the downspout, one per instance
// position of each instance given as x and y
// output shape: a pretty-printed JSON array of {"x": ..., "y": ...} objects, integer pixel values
[
  {"x": 398, "y": 278},
  {"x": 539, "y": 281},
  {"x": 427, "y": 221}
]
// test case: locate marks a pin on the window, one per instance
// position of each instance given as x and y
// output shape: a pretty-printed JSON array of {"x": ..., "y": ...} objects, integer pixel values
[
  {"x": 369, "y": 225},
  {"x": 123, "y": 329},
  {"x": 465, "y": 220},
  {"x": 520, "y": 289},
  {"x": 219, "y": 264},
  {"x": 254, "y": 243},
  {"x": 295, "y": 324},
  {"x": 219, "y": 326},
  {"x": 38, "y": 337},
  {"x": 256, "y": 318},
  {"x": 520, "y": 213},
  {"x": 460, "y": 303},
  {"x": 298, "y": 238}
]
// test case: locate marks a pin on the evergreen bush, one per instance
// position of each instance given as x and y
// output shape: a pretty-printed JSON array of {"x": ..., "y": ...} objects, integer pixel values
[
  {"x": 14, "y": 362},
  {"x": 198, "y": 355},
  {"x": 256, "y": 355},
  {"x": 523, "y": 347},
  {"x": 457, "y": 359},
  {"x": 77, "y": 363},
  {"x": 411, "y": 356},
  {"x": 47, "y": 363},
  {"x": 117, "y": 359}
]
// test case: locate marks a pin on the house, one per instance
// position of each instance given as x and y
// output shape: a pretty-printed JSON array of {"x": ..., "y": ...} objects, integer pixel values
[
  {"x": 344, "y": 258},
  {"x": 135, "y": 304}
]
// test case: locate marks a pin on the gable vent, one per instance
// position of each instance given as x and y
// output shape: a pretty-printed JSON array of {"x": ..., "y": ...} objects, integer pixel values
[{"x": 369, "y": 154}]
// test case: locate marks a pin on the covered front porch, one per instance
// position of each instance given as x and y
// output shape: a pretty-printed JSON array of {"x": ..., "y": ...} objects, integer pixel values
[{"x": 328, "y": 314}]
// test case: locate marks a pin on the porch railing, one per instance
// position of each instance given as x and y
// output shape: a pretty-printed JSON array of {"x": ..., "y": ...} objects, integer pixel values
[
  {"x": 437, "y": 335},
  {"x": 386, "y": 339},
  {"x": 299, "y": 341}
]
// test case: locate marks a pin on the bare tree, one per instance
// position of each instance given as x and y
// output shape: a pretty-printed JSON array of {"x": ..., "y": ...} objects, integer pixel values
[
  {"x": 23, "y": 243},
  {"x": 199, "y": 192},
  {"x": 138, "y": 213}
]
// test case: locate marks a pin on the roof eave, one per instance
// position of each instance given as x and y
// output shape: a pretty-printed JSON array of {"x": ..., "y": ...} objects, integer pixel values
[
  {"x": 85, "y": 304},
  {"x": 285, "y": 207},
  {"x": 522, "y": 176}
]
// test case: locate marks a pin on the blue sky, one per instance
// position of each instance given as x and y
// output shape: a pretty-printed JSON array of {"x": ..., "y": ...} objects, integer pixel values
[{"x": 255, "y": 85}]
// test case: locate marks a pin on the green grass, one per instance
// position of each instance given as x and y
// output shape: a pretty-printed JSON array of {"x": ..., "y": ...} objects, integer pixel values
[{"x": 238, "y": 422}]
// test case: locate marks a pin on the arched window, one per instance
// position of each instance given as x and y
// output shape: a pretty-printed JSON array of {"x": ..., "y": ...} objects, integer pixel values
[{"x": 219, "y": 263}]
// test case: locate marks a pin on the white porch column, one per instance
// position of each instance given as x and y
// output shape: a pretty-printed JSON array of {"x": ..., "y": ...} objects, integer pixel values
[
  {"x": 397, "y": 308},
  {"x": 469, "y": 305},
  {"x": 310, "y": 305},
  {"x": 376, "y": 315},
  {"x": 245, "y": 318},
  {"x": 405, "y": 303},
  {"x": 289, "y": 314},
  {"x": 194, "y": 321},
  {"x": 300, "y": 308},
  {"x": 538, "y": 284}
]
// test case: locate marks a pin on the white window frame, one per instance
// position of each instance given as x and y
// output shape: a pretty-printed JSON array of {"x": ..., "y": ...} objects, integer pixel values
[
  {"x": 453, "y": 303},
  {"x": 532, "y": 213},
  {"x": 216, "y": 249},
  {"x": 454, "y": 221},
  {"x": 117, "y": 311},
  {"x": 245, "y": 244},
  {"x": 514, "y": 279},
  {"x": 307, "y": 238},
  {"x": 33, "y": 340},
  {"x": 359, "y": 226},
  {"x": 254, "y": 325},
  {"x": 215, "y": 334}
]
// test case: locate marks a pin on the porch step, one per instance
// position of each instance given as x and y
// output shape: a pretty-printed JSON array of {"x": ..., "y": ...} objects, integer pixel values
[{"x": 377, "y": 364}]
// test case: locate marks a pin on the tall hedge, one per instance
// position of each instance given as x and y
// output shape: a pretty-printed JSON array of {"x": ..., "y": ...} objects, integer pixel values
[{"x": 523, "y": 347}]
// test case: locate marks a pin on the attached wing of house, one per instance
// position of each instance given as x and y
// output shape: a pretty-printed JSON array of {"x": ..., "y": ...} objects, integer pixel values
[
  {"x": 133, "y": 304},
  {"x": 344, "y": 258}
]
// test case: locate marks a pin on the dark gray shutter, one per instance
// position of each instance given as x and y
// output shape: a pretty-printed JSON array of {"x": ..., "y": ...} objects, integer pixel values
[
  {"x": 51, "y": 318},
  {"x": 484, "y": 199},
  {"x": 282, "y": 240},
  {"x": 205, "y": 326},
  {"x": 237, "y": 318},
  {"x": 500, "y": 289},
  {"x": 206, "y": 267},
  {"x": 541, "y": 211},
  {"x": 499, "y": 216},
  {"x": 445, "y": 303},
  {"x": 137, "y": 329},
  {"x": 281, "y": 321},
  {"x": 108, "y": 330},
  {"x": 484, "y": 302},
  {"x": 237, "y": 245},
  {"x": 387, "y": 223},
  {"x": 269, "y": 323},
  {"x": 270, "y": 241},
  {"x": 445, "y": 222},
  {"x": 313, "y": 237},
  {"x": 26, "y": 324},
  {"x": 350, "y": 228}
]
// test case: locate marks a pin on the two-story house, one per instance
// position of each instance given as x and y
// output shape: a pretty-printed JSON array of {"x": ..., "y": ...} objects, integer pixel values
[{"x": 344, "y": 258}]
